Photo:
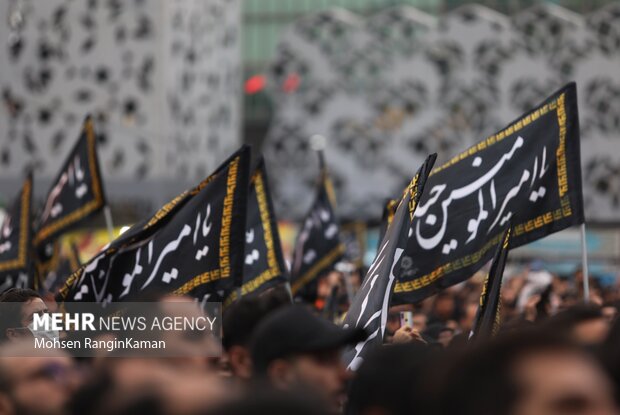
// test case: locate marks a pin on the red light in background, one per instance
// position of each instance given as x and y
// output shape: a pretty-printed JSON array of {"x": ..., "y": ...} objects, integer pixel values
[
  {"x": 291, "y": 83},
  {"x": 255, "y": 84}
]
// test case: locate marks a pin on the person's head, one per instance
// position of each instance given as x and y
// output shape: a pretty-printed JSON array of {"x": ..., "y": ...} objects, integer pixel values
[
  {"x": 148, "y": 386},
  {"x": 393, "y": 320},
  {"x": 35, "y": 381},
  {"x": 584, "y": 323},
  {"x": 327, "y": 282},
  {"x": 445, "y": 336},
  {"x": 189, "y": 349},
  {"x": 578, "y": 276},
  {"x": 438, "y": 333},
  {"x": 269, "y": 401},
  {"x": 444, "y": 306},
  {"x": 240, "y": 320},
  {"x": 466, "y": 322},
  {"x": 611, "y": 357},
  {"x": 294, "y": 348},
  {"x": 391, "y": 380},
  {"x": 18, "y": 308},
  {"x": 610, "y": 311},
  {"x": 569, "y": 299},
  {"x": 525, "y": 373},
  {"x": 420, "y": 320}
]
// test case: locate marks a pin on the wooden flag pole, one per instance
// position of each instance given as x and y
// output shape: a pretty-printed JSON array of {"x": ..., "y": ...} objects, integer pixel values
[
  {"x": 108, "y": 221},
  {"x": 584, "y": 265}
]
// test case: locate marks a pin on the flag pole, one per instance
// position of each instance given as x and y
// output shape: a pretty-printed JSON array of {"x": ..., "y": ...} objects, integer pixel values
[
  {"x": 347, "y": 269},
  {"x": 317, "y": 143},
  {"x": 584, "y": 265},
  {"x": 289, "y": 291},
  {"x": 108, "y": 221}
]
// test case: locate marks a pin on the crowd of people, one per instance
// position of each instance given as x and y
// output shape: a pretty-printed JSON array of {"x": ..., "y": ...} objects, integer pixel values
[{"x": 554, "y": 354}]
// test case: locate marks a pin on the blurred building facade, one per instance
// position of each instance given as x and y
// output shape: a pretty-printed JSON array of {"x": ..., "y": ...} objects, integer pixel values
[
  {"x": 264, "y": 20},
  {"x": 161, "y": 78},
  {"x": 165, "y": 79},
  {"x": 389, "y": 87}
]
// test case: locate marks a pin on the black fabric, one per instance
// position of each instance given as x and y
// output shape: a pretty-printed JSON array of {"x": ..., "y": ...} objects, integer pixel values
[
  {"x": 487, "y": 321},
  {"x": 64, "y": 262},
  {"x": 76, "y": 194},
  {"x": 16, "y": 267},
  {"x": 264, "y": 265},
  {"x": 369, "y": 309},
  {"x": 528, "y": 174},
  {"x": 318, "y": 246},
  {"x": 296, "y": 330},
  {"x": 193, "y": 245}
]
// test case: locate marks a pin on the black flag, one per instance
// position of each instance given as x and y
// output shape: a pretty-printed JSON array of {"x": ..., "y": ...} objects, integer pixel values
[
  {"x": 318, "y": 246},
  {"x": 369, "y": 309},
  {"x": 15, "y": 237},
  {"x": 76, "y": 194},
  {"x": 46, "y": 263},
  {"x": 488, "y": 316},
  {"x": 65, "y": 262},
  {"x": 528, "y": 174},
  {"x": 193, "y": 245},
  {"x": 264, "y": 263}
]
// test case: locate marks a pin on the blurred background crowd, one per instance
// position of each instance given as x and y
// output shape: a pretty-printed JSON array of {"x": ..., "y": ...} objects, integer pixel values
[{"x": 552, "y": 355}]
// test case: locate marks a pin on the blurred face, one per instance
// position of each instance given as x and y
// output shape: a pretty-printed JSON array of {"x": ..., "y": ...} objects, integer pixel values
[
  {"x": 182, "y": 389},
  {"x": 467, "y": 321},
  {"x": 393, "y": 321},
  {"x": 609, "y": 313},
  {"x": 190, "y": 346},
  {"x": 30, "y": 308},
  {"x": 445, "y": 337},
  {"x": 444, "y": 307},
  {"x": 40, "y": 385},
  {"x": 592, "y": 331},
  {"x": 562, "y": 383},
  {"x": 356, "y": 281},
  {"x": 240, "y": 362},
  {"x": 322, "y": 372},
  {"x": 419, "y": 322},
  {"x": 325, "y": 285}
]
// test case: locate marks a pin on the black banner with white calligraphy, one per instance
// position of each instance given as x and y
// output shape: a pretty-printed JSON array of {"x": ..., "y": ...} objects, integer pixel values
[
  {"x": 193, "y": 245},
  {"x": 528, "y": 174},
  {"x": 76, "y": 194},
  {"x": 318, "y": 246},
  {"x": 369, "y": 309},
  {"x": 15, "y": 236},
  {"x": 264, "y": 263},
  {"x": 487, "y": 321}
]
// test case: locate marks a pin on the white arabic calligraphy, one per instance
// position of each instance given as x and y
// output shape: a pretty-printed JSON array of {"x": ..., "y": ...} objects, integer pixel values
[
  {"x": 169, "y": 248},
  {"x": 381, "y": 313},
  {"x": 128, "y": 278},
  {"x": 456, "y": 194}
]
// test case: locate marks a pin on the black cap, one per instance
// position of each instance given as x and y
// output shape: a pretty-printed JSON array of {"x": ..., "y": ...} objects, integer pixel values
[{"x": 296, "y": 330}]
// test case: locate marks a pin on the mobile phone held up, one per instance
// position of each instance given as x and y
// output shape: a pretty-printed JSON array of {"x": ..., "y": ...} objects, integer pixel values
[{"x": 406, "y": 318}]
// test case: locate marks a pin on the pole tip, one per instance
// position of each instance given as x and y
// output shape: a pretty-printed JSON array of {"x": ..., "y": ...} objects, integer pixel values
[{"x": 318, "y": 142}]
